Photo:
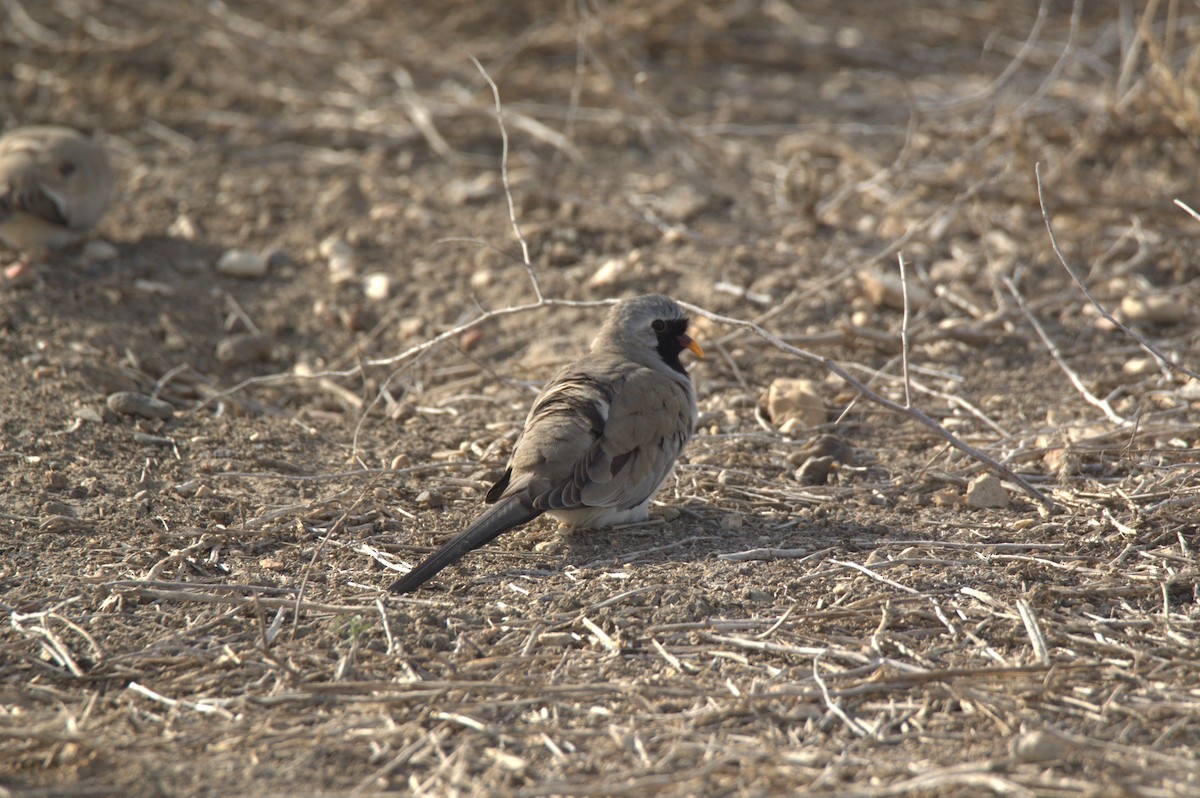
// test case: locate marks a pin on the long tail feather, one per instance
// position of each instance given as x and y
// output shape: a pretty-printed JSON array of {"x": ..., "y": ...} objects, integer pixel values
[{"x": 497, "y": 519}]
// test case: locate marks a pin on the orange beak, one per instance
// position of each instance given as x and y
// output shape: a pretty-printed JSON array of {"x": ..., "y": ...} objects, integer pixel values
[{"x": 690, "y": 344}]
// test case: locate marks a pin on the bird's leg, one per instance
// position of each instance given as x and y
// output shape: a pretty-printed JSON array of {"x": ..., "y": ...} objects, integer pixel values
[{"x": 19, "y": 272}]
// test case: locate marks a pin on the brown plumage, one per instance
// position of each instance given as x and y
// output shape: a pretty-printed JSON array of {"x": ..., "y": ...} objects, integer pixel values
[
  {"x": 55, "y": 184},
  {"x": 601, "y": 437}
]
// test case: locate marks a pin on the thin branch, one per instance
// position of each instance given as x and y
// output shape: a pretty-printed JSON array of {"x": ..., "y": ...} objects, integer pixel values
[
  {"x": 904, "y": 332},
  {"x": 912, "y": 412},
  {"x": 1141, "y": 339},
  {"x": 1191, "y": 212},
  {"x": 1051, "y": 347},
  {"x": 512, "y": 211}
]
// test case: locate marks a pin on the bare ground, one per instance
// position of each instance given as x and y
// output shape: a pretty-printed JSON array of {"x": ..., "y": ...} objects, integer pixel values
[{"x": 195, "y": 606}]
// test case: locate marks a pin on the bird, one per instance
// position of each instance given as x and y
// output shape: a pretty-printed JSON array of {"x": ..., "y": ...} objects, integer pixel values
[
  {"x": 601, "y": 437},
  {"x": 55, "y": 184}
]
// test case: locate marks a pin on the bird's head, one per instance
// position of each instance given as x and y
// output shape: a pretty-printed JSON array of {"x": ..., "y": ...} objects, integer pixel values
[{"x": 650, "y": 329}]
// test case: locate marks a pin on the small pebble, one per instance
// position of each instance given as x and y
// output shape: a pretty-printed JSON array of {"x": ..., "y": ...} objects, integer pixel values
[
  {"x": 823, "y": 446},
  {"x": 609, "y": 272},
  {"x": 129, "y": 403},
  {"x": 731, "y": 522},
  {"x": 243, "y": 263},
  {"x": 342, "y": 269},
  {"x": 99, "y": 251},
  {"x": 795, "y": 399},
  {"x": 987, "y": 492},
  {"x": 429, "y": 498},
  {"x": 681, "y": 202},
  {"x": 814, "y": 471},
  {"x": 331, "y": 245},
  {"x": 340, "y": 255},
  {"x": 377, "y": 286},
  {"x": 480, "y": 187},
  {"x": 1140, "y": 366},
  {"x": 183, "y": 227},
  {"x": 154, "y": 288},
  {"x": 1153, "y": 309},
  {"x": 1039, "y": 746},
  {"x": 470, "y": 339},
  {"x": 56, "y": 481},
  {"x": 88, "y": 413},
  {"x": 186, "y": 489},
  {"x": 410, "y": 327},
  {"x": 946, "y": 497},
  {"x": 887, "y": 291},
  {"x": 245, "y": 348}
]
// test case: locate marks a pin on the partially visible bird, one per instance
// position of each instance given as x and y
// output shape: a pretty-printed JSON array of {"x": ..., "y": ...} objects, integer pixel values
[
  {"x": 55, "y": 184},
  {"x": 601, "y": 437}
]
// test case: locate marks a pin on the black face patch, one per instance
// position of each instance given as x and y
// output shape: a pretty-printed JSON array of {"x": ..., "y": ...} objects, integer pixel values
[{"x": 669, "y": 333}]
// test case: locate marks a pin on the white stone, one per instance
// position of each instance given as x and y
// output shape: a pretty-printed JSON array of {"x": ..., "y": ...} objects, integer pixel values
[
  {"x": 377, "y": 286},
  {"x": 1039, "y": 746},
  {"x": 342, "y": 268},
  {"x": 609, "y": 272},
  {"x": 1153, "y": 309},
  {"x": 99, "y": 251},
  {"x": 334, "y": 245},
  {"x": 795, "y": 399},
  {"x": 886, "y": 291},
  {"x": 183, "y": 227},
  {"x": 1140, "y": 366},
  {"x": 243, "y": 263},
  {"x": 987, "y": 492}
]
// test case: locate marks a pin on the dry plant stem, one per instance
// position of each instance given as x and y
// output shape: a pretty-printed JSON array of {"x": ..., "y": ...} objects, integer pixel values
[
  {"x": 1034, "y": 630},
  {"x": 420, "y": 115},
  {"x": 512, "y": 211},
  {"x": 998, "y": 83},
  {"x": 173, "y": 703},
  {"x": 1060, "y": 64},
  {"x": 912, "y": 412},
  {"x": 904, "y": 331},
  {"x": 243, "y": 601},
  {"x": 832, "y": 705},
  {"x": 1188, "y": 208},
  {"x": 1088, "y": 396},
  {"x": 1141, "y": 339}
]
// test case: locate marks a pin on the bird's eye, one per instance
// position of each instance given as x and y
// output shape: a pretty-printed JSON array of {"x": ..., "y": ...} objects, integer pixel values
[
  {"x": 658, "y": 325},
  {"x": 66, "y": 168}
]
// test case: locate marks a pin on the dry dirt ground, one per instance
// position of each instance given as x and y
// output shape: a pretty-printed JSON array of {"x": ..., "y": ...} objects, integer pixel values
[{"x": 196, "y": 605}]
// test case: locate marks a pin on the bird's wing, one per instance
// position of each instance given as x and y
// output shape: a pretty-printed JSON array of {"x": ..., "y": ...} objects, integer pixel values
[
  {"x": 650, "y": 419},
  {"x": 603, "y": 434}
]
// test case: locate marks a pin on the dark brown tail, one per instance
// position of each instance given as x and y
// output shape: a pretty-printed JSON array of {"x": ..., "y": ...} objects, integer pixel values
[{"x": 497, "y": 519}]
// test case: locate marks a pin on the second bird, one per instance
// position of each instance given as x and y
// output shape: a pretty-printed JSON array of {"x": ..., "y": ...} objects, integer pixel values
[
  {"x": 54, "y": 185},
  {"x": 601, "y": 437}
]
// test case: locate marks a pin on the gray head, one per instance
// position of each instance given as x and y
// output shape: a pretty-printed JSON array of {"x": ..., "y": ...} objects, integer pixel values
[{"x": 650, "y": 329}]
